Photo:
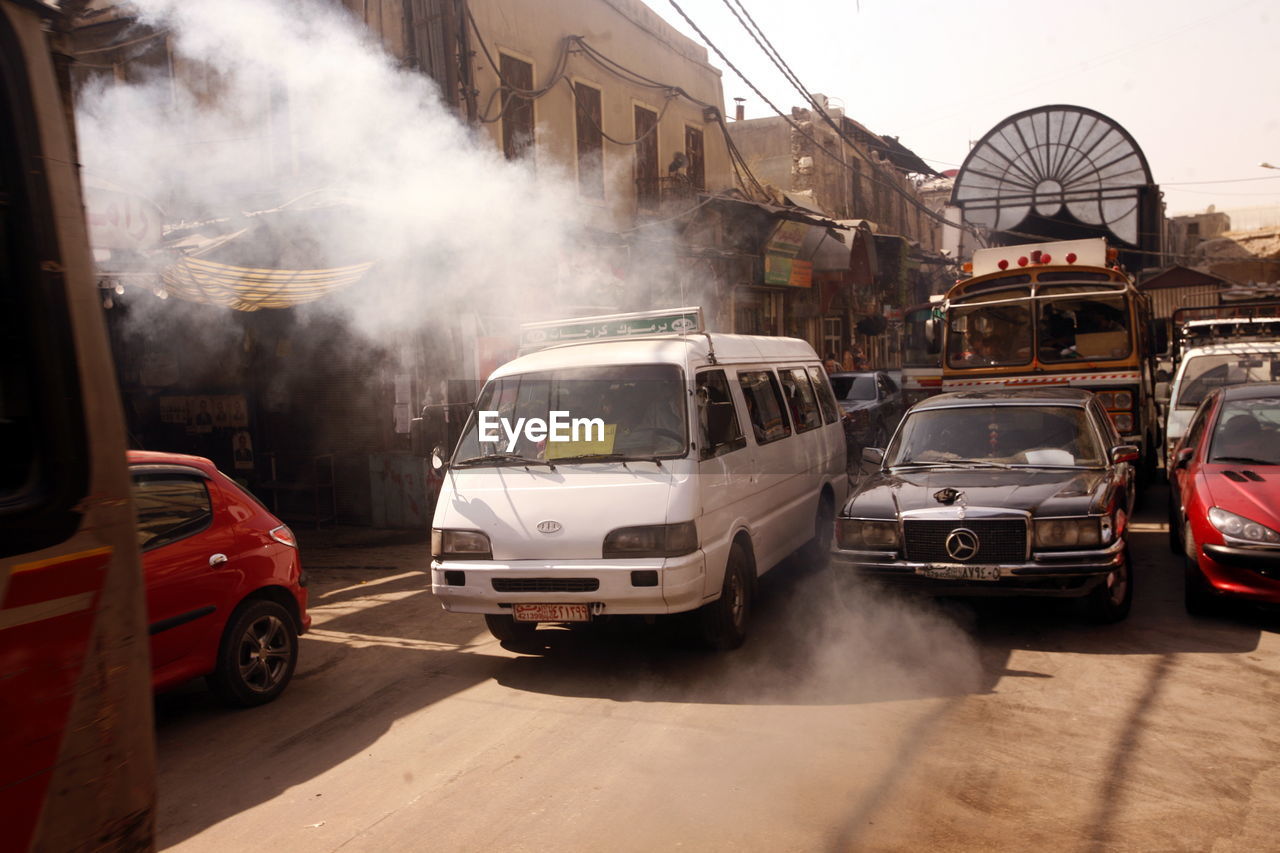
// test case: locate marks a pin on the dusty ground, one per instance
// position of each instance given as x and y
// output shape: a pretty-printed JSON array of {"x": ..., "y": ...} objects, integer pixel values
[{"x": 846, "y": 723}]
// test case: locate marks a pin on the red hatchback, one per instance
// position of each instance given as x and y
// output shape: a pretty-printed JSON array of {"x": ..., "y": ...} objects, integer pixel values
[
  {"x": 225, "y": 588},
  {"x": 1224, "y": 498}
]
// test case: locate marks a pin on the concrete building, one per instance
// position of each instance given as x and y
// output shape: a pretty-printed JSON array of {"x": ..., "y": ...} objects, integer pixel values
[
  {"x": 853, "y": 175},
  {"x": 600, "y": 94},
  {"x": 1188, "y": 231}
]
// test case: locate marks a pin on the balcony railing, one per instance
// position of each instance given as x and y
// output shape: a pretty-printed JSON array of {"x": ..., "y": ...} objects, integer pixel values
[{"x": 666, "y": 195}]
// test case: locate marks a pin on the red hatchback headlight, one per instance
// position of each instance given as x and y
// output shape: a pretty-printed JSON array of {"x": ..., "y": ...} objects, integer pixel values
[{"x": 284, "y": 536}]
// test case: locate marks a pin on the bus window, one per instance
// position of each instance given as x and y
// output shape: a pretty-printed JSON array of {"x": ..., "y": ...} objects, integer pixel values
[
  {"x": 989, "y": 335},
  {"x": 1093, "y": 328}
]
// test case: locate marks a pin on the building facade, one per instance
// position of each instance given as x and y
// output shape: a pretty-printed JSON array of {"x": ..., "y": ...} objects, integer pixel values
[
  {"x": 837, "y": 167},
  {"x": 601, "y": 96}
]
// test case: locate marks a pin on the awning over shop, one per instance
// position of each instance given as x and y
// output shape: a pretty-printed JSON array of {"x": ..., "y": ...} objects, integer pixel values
[
  {"x": 250, "y": 289},
  {"x": 274, "y": 258}
]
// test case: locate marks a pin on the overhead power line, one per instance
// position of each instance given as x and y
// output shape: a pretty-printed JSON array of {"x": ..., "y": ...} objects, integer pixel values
[{"x": 794, "y": 80}]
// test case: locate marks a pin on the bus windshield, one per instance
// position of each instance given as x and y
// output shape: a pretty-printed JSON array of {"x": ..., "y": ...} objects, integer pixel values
[
  {"x": 1090, "y": 327},
  {"x": 992, "y": 330},
  {"x": 1070, "y": 323}
]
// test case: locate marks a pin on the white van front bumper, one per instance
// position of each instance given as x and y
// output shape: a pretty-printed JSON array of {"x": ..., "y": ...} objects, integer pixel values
[{"x": 485, "y": 586}]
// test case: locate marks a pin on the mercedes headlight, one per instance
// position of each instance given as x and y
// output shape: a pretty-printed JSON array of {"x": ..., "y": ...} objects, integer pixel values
[
  {"x": 854, "y": 534},
  {"x": 1069, "y": 533}
]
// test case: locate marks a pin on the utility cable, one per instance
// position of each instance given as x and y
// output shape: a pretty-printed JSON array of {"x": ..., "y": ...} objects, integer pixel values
[{"x": 794, "y": 80}]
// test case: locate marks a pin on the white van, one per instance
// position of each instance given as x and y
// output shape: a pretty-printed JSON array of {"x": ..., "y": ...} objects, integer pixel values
[{"x": 663, "y": 473}]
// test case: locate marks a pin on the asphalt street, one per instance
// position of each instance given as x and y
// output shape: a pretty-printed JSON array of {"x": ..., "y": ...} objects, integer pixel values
[{"x": 851, "y": 720}]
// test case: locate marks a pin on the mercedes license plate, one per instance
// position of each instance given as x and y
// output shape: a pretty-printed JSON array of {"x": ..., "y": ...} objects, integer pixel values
[
  {"x": 550, "y": 613},
  {"x": 961, "y": 573}
]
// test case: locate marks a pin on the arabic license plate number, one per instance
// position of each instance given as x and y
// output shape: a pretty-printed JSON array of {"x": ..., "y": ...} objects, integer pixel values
[
  {"x": 961, "y": 573},
  {"x": 550, "y": 613}
]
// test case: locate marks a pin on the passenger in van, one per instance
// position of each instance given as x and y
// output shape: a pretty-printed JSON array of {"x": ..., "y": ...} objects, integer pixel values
[{"x": 752, "y": 415}]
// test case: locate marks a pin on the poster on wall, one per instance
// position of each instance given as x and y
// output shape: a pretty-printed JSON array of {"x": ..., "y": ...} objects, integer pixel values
[
  {"x": 239, "y": 417},
  {"x": 202, "y": 415},
  {"x": 173, "y": 410},
  {"x": 242, "y": 445}
]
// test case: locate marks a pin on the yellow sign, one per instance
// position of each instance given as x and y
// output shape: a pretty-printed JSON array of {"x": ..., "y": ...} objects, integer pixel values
[{"x": 583, "y": 447}]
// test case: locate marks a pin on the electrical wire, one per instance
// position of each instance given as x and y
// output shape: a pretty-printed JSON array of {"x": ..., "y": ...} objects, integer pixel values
[
  {"x": 912, "y": 200},
  {"x": 794, "y": 80}
]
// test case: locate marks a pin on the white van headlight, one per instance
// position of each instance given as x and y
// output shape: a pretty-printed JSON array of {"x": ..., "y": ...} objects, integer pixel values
[
  {"x": 652, "y": 540},
  {"x": 854, "y": 534},
  {"x": 460, "y": 545}
]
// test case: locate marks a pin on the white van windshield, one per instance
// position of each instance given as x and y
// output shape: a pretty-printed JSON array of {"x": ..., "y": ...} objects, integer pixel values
[
  {"x": 1203, "y": 373},
  {"x": 579, "y": 414}
]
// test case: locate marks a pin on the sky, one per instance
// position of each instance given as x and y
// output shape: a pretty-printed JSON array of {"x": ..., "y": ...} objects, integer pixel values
[{"x": 1195, "y": 84}]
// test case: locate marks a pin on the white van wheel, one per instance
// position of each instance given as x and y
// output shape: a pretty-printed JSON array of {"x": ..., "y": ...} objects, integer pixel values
[
  {"x": 818, "y": 550},
  {"x": 724, "y": 621}
]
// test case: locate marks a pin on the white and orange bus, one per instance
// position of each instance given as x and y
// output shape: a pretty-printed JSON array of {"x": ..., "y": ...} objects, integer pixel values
[
  {"x": 1058, "y": 313},
  {"x": 76, "y": 734},
  {"x": 921, "y": 363}
]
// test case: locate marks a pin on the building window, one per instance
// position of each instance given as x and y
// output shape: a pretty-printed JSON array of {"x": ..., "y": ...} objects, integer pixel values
[
  {"x": 694, "y": 151},
  {"x": 646, "y": 124},
  {"x": 832, "y": 335},
  {"x": 517, "y": 111},
  {"x": 590, "y": 140},
  {"x": 757, "y": 312}
]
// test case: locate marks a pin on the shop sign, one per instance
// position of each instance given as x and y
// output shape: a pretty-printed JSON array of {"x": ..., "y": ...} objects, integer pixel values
[
  {"x": 677, "y": 322},
  {"x": 791, "y": 272}
]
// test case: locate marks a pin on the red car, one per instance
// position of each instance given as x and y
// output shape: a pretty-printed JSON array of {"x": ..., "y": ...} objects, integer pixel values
[
  {"x": 1224, "y": 498},
  {"x": 226, "y": 593}
]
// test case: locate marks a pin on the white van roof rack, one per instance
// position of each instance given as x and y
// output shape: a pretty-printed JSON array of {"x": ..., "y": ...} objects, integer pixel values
[{"x": 647, "y": 324}]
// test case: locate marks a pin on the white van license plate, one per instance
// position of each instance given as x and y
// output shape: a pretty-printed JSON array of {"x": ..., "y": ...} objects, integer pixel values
[
  {"x": 961, "y": 573},
  {"x": 550, "y": 613}
]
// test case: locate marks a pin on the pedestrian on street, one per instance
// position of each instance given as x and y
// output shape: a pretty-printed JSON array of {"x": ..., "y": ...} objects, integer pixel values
[{"x": 831, "y": 365}]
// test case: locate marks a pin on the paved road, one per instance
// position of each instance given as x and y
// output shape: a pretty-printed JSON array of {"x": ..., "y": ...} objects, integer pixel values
[{"x": 860, "y": 723}]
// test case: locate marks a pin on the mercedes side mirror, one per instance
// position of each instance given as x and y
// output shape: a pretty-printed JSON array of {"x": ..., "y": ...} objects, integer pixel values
[
  {"x": 1163, "y": 375},
  {"x": 873, "y": 456},
  {"x": 1124, "y": 453},
  {"x": 437, "y": 458}
]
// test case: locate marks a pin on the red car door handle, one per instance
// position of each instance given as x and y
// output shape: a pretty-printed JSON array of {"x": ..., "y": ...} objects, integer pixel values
[{"x": 217, "y": 560}]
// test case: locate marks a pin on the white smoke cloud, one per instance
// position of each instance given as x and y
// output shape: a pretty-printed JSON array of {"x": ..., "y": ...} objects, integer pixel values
[{"x": 452, "y": 225}]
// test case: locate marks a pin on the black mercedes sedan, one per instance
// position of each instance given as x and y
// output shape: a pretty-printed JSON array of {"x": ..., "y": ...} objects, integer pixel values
[{"x": 1002, "y": 492}]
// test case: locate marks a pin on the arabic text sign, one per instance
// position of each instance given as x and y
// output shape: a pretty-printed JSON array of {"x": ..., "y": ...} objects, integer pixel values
[{"x": 584, "y": 330}]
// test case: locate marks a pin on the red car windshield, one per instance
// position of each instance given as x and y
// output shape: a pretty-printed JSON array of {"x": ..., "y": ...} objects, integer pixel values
[{"x": 1248, "y": 432}]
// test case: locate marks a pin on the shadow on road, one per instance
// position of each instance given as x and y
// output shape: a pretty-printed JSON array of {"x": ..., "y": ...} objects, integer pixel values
[
  {"x": 382, "y": 650},
  {"x": 372, "y": 658},
  {"x": 813, "y": 642}
]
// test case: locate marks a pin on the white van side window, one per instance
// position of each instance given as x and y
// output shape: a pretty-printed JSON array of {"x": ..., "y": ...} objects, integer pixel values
[
  {"x": 826, "y": 397},
  {"x": 720, "y": 432},
  {"x": 800, "y": 399},
  {"x": 765, "y": 407}
]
